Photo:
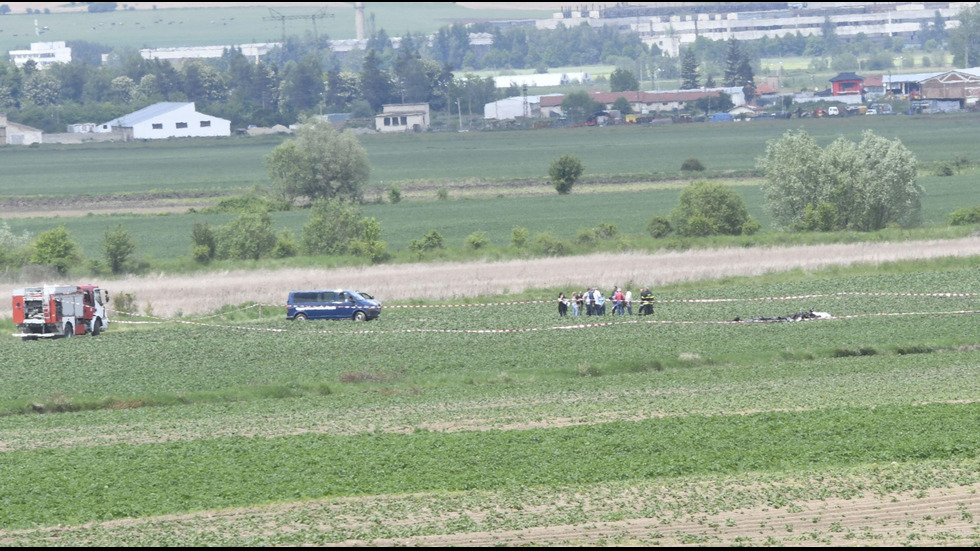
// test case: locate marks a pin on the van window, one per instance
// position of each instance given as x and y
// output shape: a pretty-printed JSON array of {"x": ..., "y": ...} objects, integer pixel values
[
  {"x": 303, "y": 298},
  {"x": 328, "y": 296}
]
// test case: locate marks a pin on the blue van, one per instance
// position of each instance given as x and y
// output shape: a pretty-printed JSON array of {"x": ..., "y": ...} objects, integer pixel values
[{"x": 336, "y": 304}]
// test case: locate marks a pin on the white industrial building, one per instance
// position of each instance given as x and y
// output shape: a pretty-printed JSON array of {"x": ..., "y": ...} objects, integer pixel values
[
  {"x": 251, "y": 51},
  {"x": 167, "y": 120},
  {"x": 12, "y": 133},
  {"x": 541, "y": 79},
  {"x": 42, "y": 53}
]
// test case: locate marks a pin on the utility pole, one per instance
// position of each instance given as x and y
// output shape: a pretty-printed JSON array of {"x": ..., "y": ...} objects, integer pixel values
[{"x": 459, "y": 111}]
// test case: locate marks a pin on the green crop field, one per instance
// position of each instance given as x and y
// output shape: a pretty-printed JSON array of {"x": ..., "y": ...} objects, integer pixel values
[
  {"x": 234, "y": 164},
  {"x": 463, "y": 164},
  {"x": 263, "y": 431},
  {"x": 161, "y": 28}
]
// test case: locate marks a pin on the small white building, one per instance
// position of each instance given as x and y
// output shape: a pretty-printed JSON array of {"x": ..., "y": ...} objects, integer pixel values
[
  {"x": 167, "y": 120},
  {"x": 403, "y": 117},
  {"x": 12, "y": 133},
  {"x": 43, "y": 53}
]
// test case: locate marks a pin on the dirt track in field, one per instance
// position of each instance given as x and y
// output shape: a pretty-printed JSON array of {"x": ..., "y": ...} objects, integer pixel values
[{"x": 930, "y": 517}]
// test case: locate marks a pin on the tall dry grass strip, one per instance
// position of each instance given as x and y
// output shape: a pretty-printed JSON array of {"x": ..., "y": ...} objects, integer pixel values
[{"x": 201, "y": 293}]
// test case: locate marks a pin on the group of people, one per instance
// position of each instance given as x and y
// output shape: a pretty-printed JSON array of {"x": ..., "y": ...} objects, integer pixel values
[{"x": 592, "y": 302}]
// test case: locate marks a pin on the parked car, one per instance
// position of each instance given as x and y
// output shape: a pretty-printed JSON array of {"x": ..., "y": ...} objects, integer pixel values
[
  {"x": 833, "y": 111},
  {"x": 819, "y": 113},
  {"x": 721, "y": 117},
  {"x": 871, "y": 111},
  {"x": 335, "y": 304}
]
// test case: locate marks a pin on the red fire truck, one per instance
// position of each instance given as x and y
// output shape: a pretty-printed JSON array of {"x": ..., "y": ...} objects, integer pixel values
[{"x": 60, "y": 311}]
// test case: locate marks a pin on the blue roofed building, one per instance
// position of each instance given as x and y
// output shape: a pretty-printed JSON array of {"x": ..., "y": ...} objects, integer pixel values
[{"x": 167, "y": 120}]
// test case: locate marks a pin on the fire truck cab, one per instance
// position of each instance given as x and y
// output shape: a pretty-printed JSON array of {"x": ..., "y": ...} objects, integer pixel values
[{"x": 59, "y": 311}]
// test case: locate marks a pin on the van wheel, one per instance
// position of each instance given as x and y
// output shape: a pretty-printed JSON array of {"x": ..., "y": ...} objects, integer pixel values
[
  {"x": 360, "y": 316},
  {"x": 300, "y": 317},
  {"x": 69, "y": 331},
  {"x": 97, "y": 327}
]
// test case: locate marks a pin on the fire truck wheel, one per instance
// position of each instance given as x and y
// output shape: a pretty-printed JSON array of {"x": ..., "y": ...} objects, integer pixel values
[
  {"x": 97, "y": 327},
  {"x": 69, "y": 330}
]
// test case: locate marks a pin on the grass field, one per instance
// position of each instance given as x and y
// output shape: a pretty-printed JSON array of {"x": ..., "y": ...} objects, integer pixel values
[
  {"x": 473, "y": 169},
  {"x": 235, "y": 25},
  {"x": 257, "y": 432}
]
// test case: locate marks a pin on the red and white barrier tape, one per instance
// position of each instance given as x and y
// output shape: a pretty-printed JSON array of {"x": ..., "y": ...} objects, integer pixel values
[{"x": 565, "y": 327}]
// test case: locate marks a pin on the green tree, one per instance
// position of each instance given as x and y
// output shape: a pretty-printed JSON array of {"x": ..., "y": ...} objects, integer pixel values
[
  {"x": 964, "y": 41},
  {"x": 56, "y": 248},
  {"x": 369, "y": 243},
  {"x": 622, "y": 105},
  {"x": 205, "y": 242},
  {"x": 689, "y": 70},
  {"x": 870, "y": 184},
  {"x": 622, "y": 80},
  {"x": 333, "y": 225},
  {"x": 564, "y": 172},
  {"x": 4, "y": 9},
  {"x": 248, "y": 237},
  {"x": 319, "y": 163},
  {"x": 117, "y": 246},
  {"x": 707, "y": 208},
  {"x": 578, "y": 106},
  {"x": 376, "y": 85}
]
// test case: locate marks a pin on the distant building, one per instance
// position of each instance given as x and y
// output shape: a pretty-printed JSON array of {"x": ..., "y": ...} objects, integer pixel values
[
  {"x": 251, "y": 51},
  {"x": 514, "y": 108},
  {"x": 12, "y": 133},
  {"x": 847, "y": 84},
  {"x": 167, "y": 120},
  {"x": 403, "y": 117},
  {"x": 43, "y": 53},
  {"x": 541, "y": 79}
]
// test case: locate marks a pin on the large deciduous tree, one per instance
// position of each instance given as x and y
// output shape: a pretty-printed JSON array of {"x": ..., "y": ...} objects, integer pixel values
[
  {"x": 319, "y": 163},
  {"x": 854, "y": 186}
]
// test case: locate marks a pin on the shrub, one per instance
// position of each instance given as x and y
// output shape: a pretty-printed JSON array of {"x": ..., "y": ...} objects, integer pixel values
[
  {"x": 547, "y": 243},
  {"x": 965, "y": 217},
  {"x": 477, "y": 240},
  {"x": 117, "y": 245},
  {"x": 519, "y": 236},
  {"x": 607, "y": 230},
  {"x": 431, "y": 241},
  {"x": 124, "y": 303},
  {"x": 394, "y": 194},
  {"x": 707, "y": 208},
  {"x": 56, "y": 248},
  {"x": 203, "y": 236},
  {"x": 248, "y": 237},
  {"x": 944, "y": 169},
  {"x": 820, "y": 218},
  {"x": 442, "y": 194},
  {"x": 286, "y": 245},
  {"x": 692, "y": 165},
  {"x": 587, "y": 237},
  {"x": 658, "y": 227},
  {"x": 564, "y": 172}
]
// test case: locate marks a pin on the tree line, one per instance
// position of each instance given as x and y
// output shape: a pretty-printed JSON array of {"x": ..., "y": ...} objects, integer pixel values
[{"x": 304, "y": 75}]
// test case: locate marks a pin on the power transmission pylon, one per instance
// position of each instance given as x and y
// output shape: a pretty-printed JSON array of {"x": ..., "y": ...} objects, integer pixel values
[{"x": 276, "y": 16}]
